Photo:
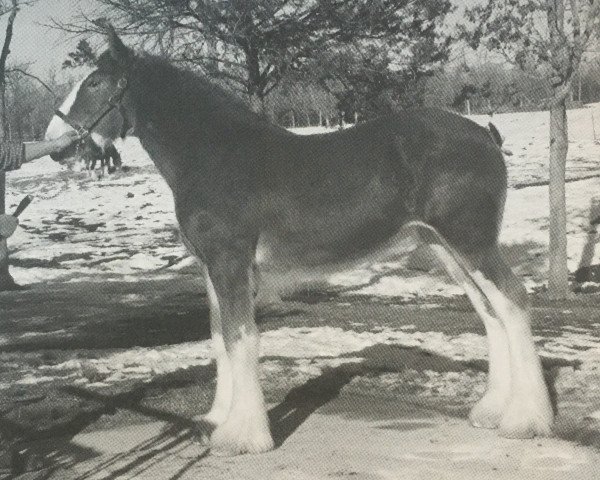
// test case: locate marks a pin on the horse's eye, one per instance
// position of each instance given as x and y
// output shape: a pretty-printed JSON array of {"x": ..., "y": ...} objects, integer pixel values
[{"x": 93, "y": 83}]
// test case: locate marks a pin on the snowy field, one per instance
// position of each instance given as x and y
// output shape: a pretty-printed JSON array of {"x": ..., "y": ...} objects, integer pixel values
[
  {"x": 120, "y": 230},
  {"x": 123, "y": 225}
]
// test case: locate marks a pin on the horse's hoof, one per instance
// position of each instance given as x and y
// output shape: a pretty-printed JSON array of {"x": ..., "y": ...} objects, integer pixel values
[
  {"x": 488, "y": 412},
  {"x": 525, "y": 419},
  {"x": 228, "y": 440}
]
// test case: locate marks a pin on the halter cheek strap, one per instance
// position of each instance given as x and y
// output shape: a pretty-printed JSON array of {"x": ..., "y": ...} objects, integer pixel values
[{"x": 113, "y": 102}]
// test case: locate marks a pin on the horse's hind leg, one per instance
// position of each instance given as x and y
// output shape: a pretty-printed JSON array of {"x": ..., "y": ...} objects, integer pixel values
[
  {"x": 488, "y": 412},
  {"x": 116, "y": 157},
  {"x": 517, "y": 398},
  {"x": 529, "y": 410},
  {"x": 103, "y": 164}
]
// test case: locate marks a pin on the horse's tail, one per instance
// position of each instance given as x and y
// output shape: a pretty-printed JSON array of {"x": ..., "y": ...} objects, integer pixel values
[{"x": 495, "y": 134}]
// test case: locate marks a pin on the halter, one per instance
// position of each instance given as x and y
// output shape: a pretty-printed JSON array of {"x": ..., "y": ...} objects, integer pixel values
[{"x": 114, "y": 101}]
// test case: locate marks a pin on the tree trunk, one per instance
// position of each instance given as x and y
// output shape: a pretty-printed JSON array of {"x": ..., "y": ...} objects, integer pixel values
[
  {"x": 3, "y": 59},
  {"x": 558, "y": 274},
  {"x": 6, "y": 280},
  {"x": 257, "y": 104},
  {"x": 3, "y": 111}
]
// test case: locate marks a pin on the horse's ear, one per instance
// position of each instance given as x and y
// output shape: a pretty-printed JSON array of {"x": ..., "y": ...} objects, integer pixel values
[{"x": 120, "y": 53}]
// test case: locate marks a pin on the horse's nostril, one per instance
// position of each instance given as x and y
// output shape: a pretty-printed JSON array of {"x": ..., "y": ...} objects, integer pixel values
[{"x": 55, "y": 157}]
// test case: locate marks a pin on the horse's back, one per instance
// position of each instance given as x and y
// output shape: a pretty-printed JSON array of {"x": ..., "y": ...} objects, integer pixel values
[
  {"x": 459, "y": 175},
  {"x": 342, "y": 195}
]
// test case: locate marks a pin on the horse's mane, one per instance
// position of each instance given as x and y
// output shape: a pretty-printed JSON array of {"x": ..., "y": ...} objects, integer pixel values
[{"x": 188, "y": 95}]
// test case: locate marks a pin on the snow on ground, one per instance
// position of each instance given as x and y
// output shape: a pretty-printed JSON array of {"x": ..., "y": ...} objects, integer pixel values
[
  {"x": 81, "y": 228},
  {"x": 312, "y": 350},
  {"x": 527, "y": 138},
  {"x": 122, "y": 225}
]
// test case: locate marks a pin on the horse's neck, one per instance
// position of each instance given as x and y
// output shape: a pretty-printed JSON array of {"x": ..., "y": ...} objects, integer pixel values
[{"x": 186, "y": 129}]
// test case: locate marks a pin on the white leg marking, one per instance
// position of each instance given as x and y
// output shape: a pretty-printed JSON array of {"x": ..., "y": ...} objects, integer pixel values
[
  {"x": 487, "y": 413},
  {"x": 223, "y": 394},
  {"x": 246, "y": 428},
  {"x": 529, "y": 410}
]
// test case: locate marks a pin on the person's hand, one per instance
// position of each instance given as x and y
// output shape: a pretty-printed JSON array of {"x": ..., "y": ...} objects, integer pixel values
[
  {"x": 8, "y": 225},
  {"x": 65, "y": 141}
]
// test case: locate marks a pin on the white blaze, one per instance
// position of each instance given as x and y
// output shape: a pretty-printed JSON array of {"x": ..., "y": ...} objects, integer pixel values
[{"x": 58, "y": 126}]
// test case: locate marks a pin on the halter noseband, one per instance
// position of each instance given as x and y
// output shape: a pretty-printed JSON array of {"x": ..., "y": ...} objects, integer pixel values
[{"x": 113, "y": 102}]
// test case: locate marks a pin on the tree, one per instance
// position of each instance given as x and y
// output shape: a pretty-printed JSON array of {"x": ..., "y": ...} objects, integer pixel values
[
  {"x": 463, "y": 98},
  {"x": 11, "y": 8},
  {"x": 82, "y": 56},
  {"x": 298, "y": 101},
  {"x": 377, "y": 75},
  {"x": 548, "y": 37},
  {"x": 253, "y": 44},
  {"x": 30, "y": 101}
]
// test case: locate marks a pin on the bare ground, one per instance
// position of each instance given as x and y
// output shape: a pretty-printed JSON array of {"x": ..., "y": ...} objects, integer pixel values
[{"x": 344, "y": 421}]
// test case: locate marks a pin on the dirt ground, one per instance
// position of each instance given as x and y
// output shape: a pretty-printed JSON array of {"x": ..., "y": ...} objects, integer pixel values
[{"x": 342, "y": 422}]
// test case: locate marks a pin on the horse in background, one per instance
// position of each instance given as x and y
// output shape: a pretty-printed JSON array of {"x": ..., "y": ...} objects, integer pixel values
[
  {"x": 109, "y": 157},
  {"x": 263, "y": 208}
]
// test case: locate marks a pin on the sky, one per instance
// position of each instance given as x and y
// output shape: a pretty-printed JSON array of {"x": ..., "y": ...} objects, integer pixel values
[{"x": 43, "y": 48}]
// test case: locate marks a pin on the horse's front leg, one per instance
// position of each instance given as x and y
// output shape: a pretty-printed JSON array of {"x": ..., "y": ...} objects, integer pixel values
[
  {"x": 246, "y": 427},
  {"x": 222, "y": 400}
]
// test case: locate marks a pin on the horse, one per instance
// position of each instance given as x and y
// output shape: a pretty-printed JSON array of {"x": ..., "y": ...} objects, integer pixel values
[
  {"x": 106, "y": 157},
  {"x": 91, "y": 149},
  {"x": 262, "y": 208}
]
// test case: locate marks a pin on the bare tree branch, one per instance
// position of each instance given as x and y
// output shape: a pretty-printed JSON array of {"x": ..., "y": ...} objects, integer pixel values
[
  {"x": 8, "y": 36},
  {"x": 31, "y": 75}
]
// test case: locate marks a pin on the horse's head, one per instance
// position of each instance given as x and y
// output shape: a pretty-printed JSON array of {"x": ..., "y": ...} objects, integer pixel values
[{"x": 96, "y": 104}]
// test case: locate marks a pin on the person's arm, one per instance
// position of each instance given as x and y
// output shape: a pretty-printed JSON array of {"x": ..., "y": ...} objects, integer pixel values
[
  {"x": 34, "y": 150},
  {"x": 14, "y": 154}
]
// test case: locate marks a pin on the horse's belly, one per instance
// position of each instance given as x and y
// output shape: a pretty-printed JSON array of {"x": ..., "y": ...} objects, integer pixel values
[{"x": 286, "y": 267}]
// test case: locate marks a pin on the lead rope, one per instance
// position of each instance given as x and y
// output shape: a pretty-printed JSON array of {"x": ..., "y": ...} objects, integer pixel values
[
  {"x": 62, "y": 186},
  {"x": 36, "y": 193}
]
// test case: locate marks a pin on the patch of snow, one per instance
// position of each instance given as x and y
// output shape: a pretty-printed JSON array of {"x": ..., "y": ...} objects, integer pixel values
[
  {"x": 33, "y": 380},
  {"x": 123, "y": 225}
]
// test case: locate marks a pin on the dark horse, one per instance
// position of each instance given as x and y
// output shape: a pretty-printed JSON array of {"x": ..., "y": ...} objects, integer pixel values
[
  {"x": 252, "y": 198},
  {"x": 94, "y": 148},
  {"x": 106, "y": 156}
]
